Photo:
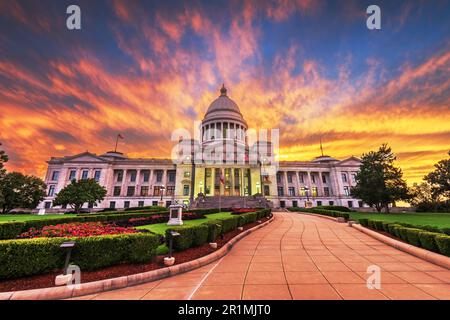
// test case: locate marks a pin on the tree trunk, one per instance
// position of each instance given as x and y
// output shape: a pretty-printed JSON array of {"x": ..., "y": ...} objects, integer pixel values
[{"x": 387, "y": 208}]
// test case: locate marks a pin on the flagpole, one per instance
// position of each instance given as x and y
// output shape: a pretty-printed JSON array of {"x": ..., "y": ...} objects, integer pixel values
[{"x": 117, "y": 141}]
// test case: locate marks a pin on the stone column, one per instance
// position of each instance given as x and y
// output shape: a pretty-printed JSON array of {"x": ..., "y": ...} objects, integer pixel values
[
  {"x": 320, "y": 185},
  {"x": 123, "y": 191},
  {"x": 285, "y": 184},
  {"x": 297, "y": 178},
  {"x": 164, "y": 181},
  {"x": 137, "y": 191},
  {"x": 309, "y": 184}
]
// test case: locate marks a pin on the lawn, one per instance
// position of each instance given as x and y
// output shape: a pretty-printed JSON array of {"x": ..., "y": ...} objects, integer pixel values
[
  {"x": 26, "y": 217},
  {"x": 160, "y": 228},
  {"x": 440, "y": 220}
]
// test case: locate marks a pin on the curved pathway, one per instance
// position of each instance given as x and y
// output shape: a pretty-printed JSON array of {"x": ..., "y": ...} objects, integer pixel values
[{"x": 301, "y": 257}]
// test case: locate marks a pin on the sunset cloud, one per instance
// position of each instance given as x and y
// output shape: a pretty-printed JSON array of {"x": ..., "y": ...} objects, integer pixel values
[{"x": 144, "y": 70}]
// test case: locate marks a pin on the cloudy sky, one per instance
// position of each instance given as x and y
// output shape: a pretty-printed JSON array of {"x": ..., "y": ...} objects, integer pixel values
[{"x": 143, "y": 68}]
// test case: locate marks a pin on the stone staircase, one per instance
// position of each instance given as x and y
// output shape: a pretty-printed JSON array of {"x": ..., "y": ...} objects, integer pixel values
[{"x": 203, "y": 202}]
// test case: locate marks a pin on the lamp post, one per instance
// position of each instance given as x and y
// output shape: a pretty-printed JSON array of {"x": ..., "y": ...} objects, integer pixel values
[
  {"x": 67, "y": 246},
  {"x": 168, "y": 261}
]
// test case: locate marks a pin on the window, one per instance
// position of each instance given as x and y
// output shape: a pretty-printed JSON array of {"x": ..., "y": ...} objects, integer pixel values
[
  {"x": 324, "y": 178},
  {"x": 302, "y": 191},
  {"x": 72, "y": 174},
  {"x": 84, "y": 174},
  {"x": 51, "y": 191},
  {"x": 119, "y": 176},
  {"x": 289, "y": 178},
  {"x": 168, "y": 204},
  {"x": 171, "y": 176},
  {"x": 170, "y": 191},
  {"x": 97, "y": 175},
  {"x": 187, "y": 174},
  {"x": 282, "y": 204},
  {"x": 55, "y": 175},
  {"x": 301, "y": 178},
  {"x": 159, "y": 175},
  {"x": 319, "y": 203},
  {"x": 326, "y": 191},
  {"x": 146, "y": 176},
  {"x": 266, "y": 190},
  {"x": 144, "y": 191},
  {"x": 156, "y": 191},
  {"x": 126, "y": 204},
  {"x": 354, "y": 177},
  {"x": 112, "y": 204},
  {"x": 291, "y": 191},
  {"x": 140, "y": 203},
  {"x": 350, "y": 204},
  {"x": 360, "y": 204},
  {"x": 133, "y": 176},
  {"x": 154, "y": 203},
  {"x": 116, "y": 191},
  {"x": 331, "y": 203},
  {"x": 185, "y": 190},
  {"x": 280, "y": 191},
  {"x": 314, "y": 191},
  {"x": 313, "y": 178},
  {"x": 130, "y": 191},
  {"x": 344, "y": 177},
  {"x": 90, "y": 205},
  {"x": 47, "y": 204},
  {"x": 346, "y": 191},
  {"x": 278, "y": 177},
  {"x": 295, "y": 204}
]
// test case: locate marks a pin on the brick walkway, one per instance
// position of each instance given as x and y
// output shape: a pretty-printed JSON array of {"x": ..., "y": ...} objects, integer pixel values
[{"x": 301, "y": 257}]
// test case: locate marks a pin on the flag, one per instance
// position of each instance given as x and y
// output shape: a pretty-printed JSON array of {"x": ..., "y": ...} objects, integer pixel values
[
  {"x": 222, "y": 178},
  {"x": 120, "y": 136}
]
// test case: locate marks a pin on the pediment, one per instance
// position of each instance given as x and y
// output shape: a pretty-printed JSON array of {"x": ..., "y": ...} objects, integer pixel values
[
  {"x": 352, "y": 161},
  {"x": 85, "y": 157}
]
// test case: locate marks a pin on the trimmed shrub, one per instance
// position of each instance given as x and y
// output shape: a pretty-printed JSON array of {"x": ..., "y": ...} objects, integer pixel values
[
  {"x": 26, "y": 257},
  {"x": 393, "y": 229},
  {"x": 10, "y": 230},
  {"x": 401, "y": 231},
  {"x": 201, "y": 233},
  {"x": 378, "y": 225},
  {"x": 184, "y": 241},
  {"x": 427, "y": 240},
  {"x": 364, "y": 222},
  {"x": 230, "y": 224},
  {"x": 385, "y": 226},
  {"x": 215, "y": 228},
  {"x": 412, "y": 236},
  {"x": 335, "y": 208},
  {"x": 443, "y": 244}
]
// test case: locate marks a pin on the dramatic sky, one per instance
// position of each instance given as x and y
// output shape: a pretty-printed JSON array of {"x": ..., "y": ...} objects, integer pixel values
[{"x": 143, "y": 68}]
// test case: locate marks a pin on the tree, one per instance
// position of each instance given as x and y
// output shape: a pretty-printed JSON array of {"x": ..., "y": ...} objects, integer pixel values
[
  {"x": 3, "y": 159},
  {"x": 378, "y": 182},
  {"x": 424, "y": 194},
  {"x": 77, "y": 193},
  {"x": 20, "y": 191},
  {"x": 439, "y": 179}
]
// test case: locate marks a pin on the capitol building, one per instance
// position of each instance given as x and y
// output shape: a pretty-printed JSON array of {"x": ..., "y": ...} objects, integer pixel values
[{"x": 224, "y": 167}]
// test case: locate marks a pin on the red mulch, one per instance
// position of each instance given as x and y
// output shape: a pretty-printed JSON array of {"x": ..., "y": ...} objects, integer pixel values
[{"x": 48, "y": 280}]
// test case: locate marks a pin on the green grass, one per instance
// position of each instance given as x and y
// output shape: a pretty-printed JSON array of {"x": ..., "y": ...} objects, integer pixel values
[
  {"x": 27, "y": 217},
  {"x": 439, "y": 220},
  {"x": 160, "y": 228}
]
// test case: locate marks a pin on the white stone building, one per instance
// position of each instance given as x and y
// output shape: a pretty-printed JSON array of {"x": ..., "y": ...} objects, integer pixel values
[{"x": 223, "y": 165}]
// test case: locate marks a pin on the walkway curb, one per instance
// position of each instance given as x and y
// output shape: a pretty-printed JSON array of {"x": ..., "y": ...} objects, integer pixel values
[
  {"x": 426, "y": 255},
  {"x": 72, "y": 291}
]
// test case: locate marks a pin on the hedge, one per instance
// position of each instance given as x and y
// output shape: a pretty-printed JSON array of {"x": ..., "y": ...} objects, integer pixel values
[
  {"x": 331, "y": 213},
  {"x": 26, "y": 257},
  {"x": 195, "y": 236},
  {"x": 335, "y": 208},
  {"x": 432, "y": 241}
]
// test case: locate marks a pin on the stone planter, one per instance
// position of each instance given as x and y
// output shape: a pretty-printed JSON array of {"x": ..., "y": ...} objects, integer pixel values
[
  {"x": 240, "y": 228},
  {"x": 213, "y": 245},
  {"x": 169, "y": 261}
]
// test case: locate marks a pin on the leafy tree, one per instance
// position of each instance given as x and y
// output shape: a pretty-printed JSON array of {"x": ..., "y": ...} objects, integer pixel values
[
  {"x": 424, "y": 194},
  {"x": 439, "y": 179},
  {"x": 20, "y": 191},
  {"x": 80, "y": 192},
  {"x": 3, "y": 159},
  {"x": 379, "y": 182}
]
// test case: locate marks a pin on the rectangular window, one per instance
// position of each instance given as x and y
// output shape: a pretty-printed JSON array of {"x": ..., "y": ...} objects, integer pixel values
[
  {"x": 51, "y": 191},
  {"x": 170, "y": 190},
  {"x": 319, "y": 203},
  {"x": 350, "y": 204},
  {"x": 140, "y": 203},
  {"x": 314, "y": 191},
  {"x": 278, "y": 177},
  {"x": 154, "y": 203},
  {"x": 280, "y": 191},
  {"x": 55, "y": 175},
  {"x": 156, "y": 191},
  {"x": 185, "y": 190},
  {"x": 282, "y": 204},
  {"x": 90, "y": 205},
  {"x": 146, "y": 176},
  {"x": 266, "y": 190},
  {"x": 301, "y": 178},
  {"x": 116, "y": 191},
  {"x": 144, "y": 191},
  {"x": 119, "y": 176},
  {"x": 289, "y": 178},
  {"x": 331, "y": 203},
  {"x": 360, "y": 204},
  {"x": 48, "y": 204},
  {"x": 326, "y": 191},
  {"x": 159, "y": 175},
  {"x": 346, "y": 191},
  {"x": 302, "y": 191},
  {"x": 72, "y": 174},
  {"x": 97, "y": 175},
  {"x": 344, "y": 177},
  {"x": 291, "y": 191},
  {"x": 171, "y": 176},
  {"x": 126, "y": 204},
  {"x": 112, "y": 204},
  {"x": 130, "y": 191},
  {"x": 354, "y": 177},
  {"x": 324, "y": 178},
  {"x": 295, "y": 204},
  {"x": 168, "y": 204},
  {"x": 313, "y": 178},
  {"x": 133, "y": 176},
  {"x": 84, "y": 174}
]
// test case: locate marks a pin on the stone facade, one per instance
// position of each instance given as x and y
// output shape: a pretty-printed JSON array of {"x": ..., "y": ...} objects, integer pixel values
[{"x": 228, "y": 166}]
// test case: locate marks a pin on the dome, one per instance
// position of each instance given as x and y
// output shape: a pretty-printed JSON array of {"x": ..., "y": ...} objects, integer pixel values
[
  {"x": 324, "y": 159},
  {"x": 223, "y": 108}
]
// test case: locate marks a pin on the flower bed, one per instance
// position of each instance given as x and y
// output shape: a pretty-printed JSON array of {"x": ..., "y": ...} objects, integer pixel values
[
  {"x": 87, "y": 229},
  {"x": 158, "y": 218},
  {"x": 241, "y": 210}
]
